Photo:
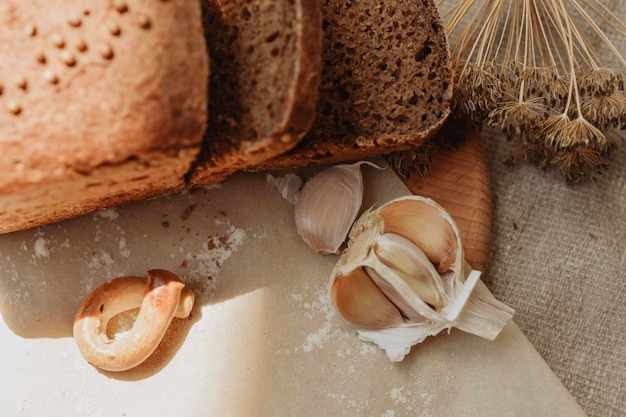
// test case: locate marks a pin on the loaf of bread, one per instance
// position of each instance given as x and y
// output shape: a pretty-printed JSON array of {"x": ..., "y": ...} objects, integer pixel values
[{"x": 103, "y": 103}]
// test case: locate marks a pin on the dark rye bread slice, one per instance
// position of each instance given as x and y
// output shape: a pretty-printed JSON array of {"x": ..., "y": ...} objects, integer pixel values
[
  {"x": 93, "y": 112},
  {"x": 386, "y": 81},
  {"x": 264, "y": 81}
]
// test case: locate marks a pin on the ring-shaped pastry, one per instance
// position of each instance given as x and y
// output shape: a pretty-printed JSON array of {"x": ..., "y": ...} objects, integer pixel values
[{"x": 160, "y": 299}]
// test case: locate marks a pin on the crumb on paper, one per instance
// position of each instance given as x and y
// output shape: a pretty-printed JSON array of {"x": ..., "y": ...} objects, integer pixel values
[
  {"x": 188, "y": 211},
  {"x": 42, "y": 248},
  {"x": 206, "y": 262},
  {"x": 100, "y": 259},
  {"x": 108, "y": 214},
  {"x": 212, "y": 186},
  {"x": 124, "y": 251}
]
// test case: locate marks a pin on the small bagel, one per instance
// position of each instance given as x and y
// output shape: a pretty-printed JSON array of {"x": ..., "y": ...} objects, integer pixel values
[{"x": 161, "y": 298}]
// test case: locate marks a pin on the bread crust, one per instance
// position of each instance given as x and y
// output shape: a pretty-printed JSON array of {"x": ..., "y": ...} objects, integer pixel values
[{"x": 92, "y": 93}]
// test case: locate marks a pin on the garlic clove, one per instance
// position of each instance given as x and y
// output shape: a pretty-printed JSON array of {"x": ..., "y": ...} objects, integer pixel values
[
  {"x": 360, "y": 302},
  {"x": 328, "y": 204},
  {"x": 400, "y": 296},
  {"x": 424, "y": 225},
  {"x": 412, "y": 265}
]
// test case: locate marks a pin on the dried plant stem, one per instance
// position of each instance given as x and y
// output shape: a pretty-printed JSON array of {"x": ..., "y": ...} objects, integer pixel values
[{"x": 530, "y": 67}]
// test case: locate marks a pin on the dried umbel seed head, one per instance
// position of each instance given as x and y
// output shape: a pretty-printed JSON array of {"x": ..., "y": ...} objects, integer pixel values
[
  {"x": 389, "y": 270},
  {"x": 534, "y": 69},
  {"x": 327, "y": 206}
]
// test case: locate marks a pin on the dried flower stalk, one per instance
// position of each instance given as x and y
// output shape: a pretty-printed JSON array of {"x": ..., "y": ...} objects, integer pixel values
[{"x": 531, "y": 68}]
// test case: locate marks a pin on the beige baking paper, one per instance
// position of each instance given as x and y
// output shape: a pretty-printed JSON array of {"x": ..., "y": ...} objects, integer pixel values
[{"x": 263, "y": 339}]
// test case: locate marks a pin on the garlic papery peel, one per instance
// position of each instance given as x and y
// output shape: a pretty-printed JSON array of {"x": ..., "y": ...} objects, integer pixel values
[
  {"x": 288, "y": 186},
  {"x": 401, "y": 271},
  {"x": 328, "y": 204}
]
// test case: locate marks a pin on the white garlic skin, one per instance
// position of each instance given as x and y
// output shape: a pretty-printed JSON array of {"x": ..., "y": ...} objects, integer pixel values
[
  {"x": 328, "y": 205},
  {"x": 288, "y": 186}
]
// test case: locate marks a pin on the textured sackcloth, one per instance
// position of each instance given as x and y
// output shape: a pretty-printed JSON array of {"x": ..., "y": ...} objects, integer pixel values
[{"x": 558, "y": 256}]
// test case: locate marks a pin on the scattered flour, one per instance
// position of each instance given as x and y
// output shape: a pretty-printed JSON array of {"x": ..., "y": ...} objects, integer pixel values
[
  {"x": 398, "y": 396},
  {"x": 42, "y": 247},
  {"x": 205, "y": 263},
  {"x": 320, "y": 306},
  {"x": 368, "y": 349},
  {"x": 124, "y": 251},
  {"x": 99, "y": 260},
  {"x": 355, "y": 406},
  {"x": 318, "y": 338}
]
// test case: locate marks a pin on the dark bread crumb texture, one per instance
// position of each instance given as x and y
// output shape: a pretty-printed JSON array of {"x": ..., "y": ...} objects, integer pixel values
[
  {"x": 264, "y": 83},
  {"x": 386, "y": 81}
]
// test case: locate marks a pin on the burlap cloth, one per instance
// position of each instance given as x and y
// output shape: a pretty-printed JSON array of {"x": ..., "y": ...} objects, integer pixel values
[{"x": 558, "y": 256}]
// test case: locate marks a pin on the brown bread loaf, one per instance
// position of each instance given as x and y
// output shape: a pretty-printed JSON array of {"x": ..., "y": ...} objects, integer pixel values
[{"x": 93, "y": 110}]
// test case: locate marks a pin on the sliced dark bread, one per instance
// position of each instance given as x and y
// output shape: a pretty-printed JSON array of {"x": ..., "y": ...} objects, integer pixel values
[
  {"x": 264, "y": 83},
  {"x": 386, "y": 81}
]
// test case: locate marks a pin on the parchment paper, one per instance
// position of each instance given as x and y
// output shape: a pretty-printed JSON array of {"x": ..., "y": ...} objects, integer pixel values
[{"x": 263, "y": 339}]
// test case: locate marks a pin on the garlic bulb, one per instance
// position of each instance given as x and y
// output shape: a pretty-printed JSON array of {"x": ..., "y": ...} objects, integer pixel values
[
  {"x": 410, "y": 250},
  {"x": 328, "y": 204}
]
